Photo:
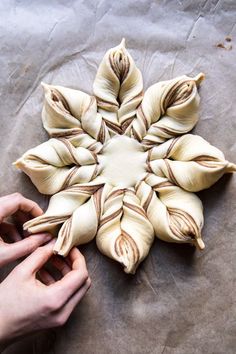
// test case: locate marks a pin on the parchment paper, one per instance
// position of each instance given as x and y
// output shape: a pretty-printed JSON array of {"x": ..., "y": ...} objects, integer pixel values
[{"x": 180, "y": 300}]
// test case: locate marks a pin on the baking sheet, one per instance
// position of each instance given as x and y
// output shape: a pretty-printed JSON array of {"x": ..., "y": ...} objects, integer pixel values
[{"x": 180, "y": 301}]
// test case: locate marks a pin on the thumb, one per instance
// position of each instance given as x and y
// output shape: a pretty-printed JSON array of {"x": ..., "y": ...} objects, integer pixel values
[
  {"x": 38, "y": 258},
  {"x": 13, "y": 251}
]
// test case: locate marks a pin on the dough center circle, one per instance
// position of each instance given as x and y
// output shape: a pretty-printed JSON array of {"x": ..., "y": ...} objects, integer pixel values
[{"x": 123, "y": 161}]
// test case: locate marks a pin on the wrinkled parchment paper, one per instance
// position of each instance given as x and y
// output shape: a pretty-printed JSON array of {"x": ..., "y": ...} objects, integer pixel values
[{"x": 180, "y": 301}]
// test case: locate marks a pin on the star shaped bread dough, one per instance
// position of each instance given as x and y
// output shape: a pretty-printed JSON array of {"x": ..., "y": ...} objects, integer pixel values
[{"x": 120, "y": 165}]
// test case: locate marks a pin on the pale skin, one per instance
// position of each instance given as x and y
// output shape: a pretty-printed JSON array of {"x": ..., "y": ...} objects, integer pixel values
[{"x": 31, "y": 299}]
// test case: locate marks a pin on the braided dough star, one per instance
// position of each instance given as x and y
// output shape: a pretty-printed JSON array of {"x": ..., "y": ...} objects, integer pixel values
[{"x": 120, "y": 165}]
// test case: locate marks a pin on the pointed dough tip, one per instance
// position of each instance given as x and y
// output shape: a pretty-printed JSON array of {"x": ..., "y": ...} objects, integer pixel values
[
  {"x": 129, "y": 269},
  {"x": 200, "y": 244},
  {"x": 16, "y": 163},
  {"x": 57, "y": 249},
  {"x": 231, "y": 168},
  {"x": 122, "y": 43},
  {"x": 60, "y": 248},
  {"x": 129, "y": 266},
  {"x": 45, "y": 86},
  {"x": 199, "y": 78},
  {"x": 25, "y": 228}
]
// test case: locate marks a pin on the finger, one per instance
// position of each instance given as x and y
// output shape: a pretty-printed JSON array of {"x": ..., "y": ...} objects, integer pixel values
[
  {"x": 38, "y": 258},
  {"x": 72, "y": 281},
  {"x": 10, "y": 204},
  {"x": 10, "y": 231},
  {"x": 60, "y": 264},
  {"x": 14, "y": 251},
  {"x": 63, "y": 314},
  {"x": 74, "y": 255},
  {"x": 45, "y": 277}
]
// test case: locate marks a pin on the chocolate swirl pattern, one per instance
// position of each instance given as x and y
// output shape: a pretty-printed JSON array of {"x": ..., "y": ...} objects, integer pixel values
[
  {"x": 176, "y": 215},
  {"x": 118, "y": 88},
  {"x": 168, "y": 109},
  {"x": 189, "y": 162},
  {"x": 125, "y": 233},
  {"x": 119, "y": 165}
]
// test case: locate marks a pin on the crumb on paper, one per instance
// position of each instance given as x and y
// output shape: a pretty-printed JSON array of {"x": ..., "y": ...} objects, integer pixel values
[
  {"x": 228, "y": 39},
  {"x": 222, "y": 46}
]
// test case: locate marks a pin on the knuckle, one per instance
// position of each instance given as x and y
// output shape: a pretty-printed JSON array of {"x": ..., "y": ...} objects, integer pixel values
[
  {"x": 34, "y": 204},
  {"x": 60, "y": 320},
  {"x": 50, "y": 304},
  {"x": 30, "y": 241},
  {"x": 17, "y": 195},
  {"x": 32, "y": 244},
  {"x": 48, "y": 308},
  {"x": 89, "y": 282},
  {"x": 19, "y": 271},
  {"x": 54, "y": 300},
  {"x": 81, "y": 259},
  {"x": 85, "y": 275}
]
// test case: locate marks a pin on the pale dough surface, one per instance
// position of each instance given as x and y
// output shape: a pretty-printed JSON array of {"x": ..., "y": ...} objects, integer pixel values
[
  {"x": 120, "y": 165},
  {"x": 123, "y": 161}
]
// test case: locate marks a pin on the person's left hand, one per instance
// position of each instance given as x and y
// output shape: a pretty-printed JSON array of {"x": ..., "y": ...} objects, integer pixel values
[{"x": 13, "y": 245}]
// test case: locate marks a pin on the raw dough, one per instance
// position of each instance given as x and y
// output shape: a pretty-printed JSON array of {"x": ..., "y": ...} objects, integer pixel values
[{"x": 117, "y": 165}]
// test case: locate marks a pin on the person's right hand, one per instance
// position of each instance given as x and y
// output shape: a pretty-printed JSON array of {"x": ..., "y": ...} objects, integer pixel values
[{"x": 28, "y": 304}]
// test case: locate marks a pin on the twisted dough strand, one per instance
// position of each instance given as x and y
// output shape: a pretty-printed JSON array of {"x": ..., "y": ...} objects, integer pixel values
[
  {"x": 62, "y": 205},
  {"x": 125, "y": 233},
  {"x": 175, "y": 214},
  {"x": 118, "y": 87},
  {"x": 57, "y": 164},
  {"x": 81, "y": 227},
  {"x": 189, "y": 162},
  {"x": 66, "y": 111},
  {"x": 169, "y": 108}
]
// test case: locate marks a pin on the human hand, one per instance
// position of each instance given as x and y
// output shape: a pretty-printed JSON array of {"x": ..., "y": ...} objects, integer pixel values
[
  {"x": 28, "y": 304},
  {"x": 21, "y": 209}
]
